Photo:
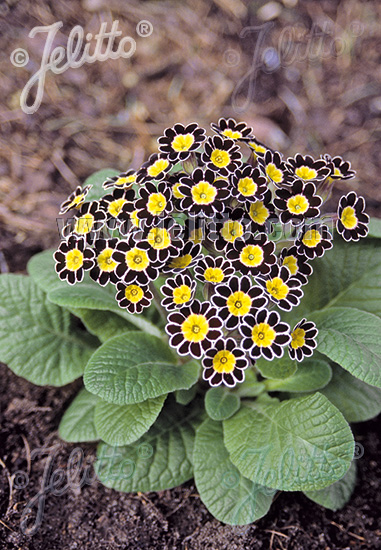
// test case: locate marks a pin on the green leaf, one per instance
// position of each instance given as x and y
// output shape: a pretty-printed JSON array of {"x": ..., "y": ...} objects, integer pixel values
[
  {"x": 250, "y": 387},
  {"x": 159, "y": 460},
  {"x": 124, "y": 424},
  {"x": 312, "y": 374},
  {"x": 103, "y": 324},
  {"x": 336, "y": 495},
  {"x": 278, "y": 368},
  {"x": 39, "y": 340},
  {"x": 355, "y": 399},
  {"x": 351, "y": 338},
  {"x": 220, "y": 403},
  {"x": 364, "y": 294},
  {"x": 134, "y": 367},
  {"x": 184, "y": 397},
  {"x": 84, "y": 295},
  {"x": 228, "y": 495},
  {"x": 96, "y": 180},
  {"x": 77, "y": 424},
  {"x": 297, "y": 444},
  {"x": 375, "y": 228},
  {"x": 336, "y": 272},
  {"x": 90, "y": 295},
  {"x": 41, "y": 267}
]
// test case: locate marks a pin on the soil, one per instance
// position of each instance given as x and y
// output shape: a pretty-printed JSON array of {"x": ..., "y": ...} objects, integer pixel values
[
  {"x": 110, "y": 114},
  {"x": 96, "y": 518}
]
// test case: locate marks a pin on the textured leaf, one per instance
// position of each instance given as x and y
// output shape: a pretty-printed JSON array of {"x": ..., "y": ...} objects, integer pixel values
[
  {"x": 250, "y": 387},
  {"x": 351, "y": 338},
  {"x": 41, "y": 267},
  {"x": 90, "y": 295},
  {"x": 336, "y": 495},
  {"x": 124, "y": 424},
  {"x": 312, "y": 374},
  {"x": 336, "y": 271},
  {"x": 96, "y": 180},
  {"x": 134, "y": 367},
  {"x": 278, "y": 368},
  {"x": 375, "y": 228},
  {"x": 364, "y": 294},
  {"x": 159, "y": 460},
  {"x": 77, "y": 424},
  {"x": 220, "y": 403},
  {"x": 39, "y": 340},
  {"x": 103, "y": 324},
  {"x": 297, "y": 444},
  {"x": 184, "y": 397},
  {"x": 355, "y": 399},
  {"x": 228, "y": 495},
  {"x": 85, "y": 295}
]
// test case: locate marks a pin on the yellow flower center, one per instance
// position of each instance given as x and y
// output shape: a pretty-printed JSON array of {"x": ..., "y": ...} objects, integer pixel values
[
  {"x": 196, "y": 235},
  {"x": 175, "y": 190},
  {"x": 181, "y": 261},
  {"x": 105, "y": 262},
  {"x": 214, "y": 275},
  {"x": 247, "y": 187},
  {"x": 274, "y": 173},
  {"x": 137, "y": 259},
  {"x": 337, "y": 172},
  {"x": 195, "y": 328},
  {"x": 134, "y": 218},
  {"x": 231, "y": 230},
  {"x": 239, "y": 303},
  {"x": 74, "y": 260},
  {"x": 77, "y": 200},
  {"x": 258, "y": 212},
  {"x": 84, "y": 224},
  {"x": 298, "y": 204},
  {"x": 277, "y": 288},
  {"x": 134, "y": 293},
  {"x": 203, "y": 193},
  {"x": 224, "y": 361},
  {"x": 263, "y": 335},
  {"x": 116, "y": 206},
  {"x": 125, "y": 180},
  {"x": 311, "y": 238},
  {"x": 348, "y": 218},
  {"x": 306, "y": 173},
  {"x": 297, "y": 338},
  {"x": 182, "y": 294},
  {"x": 291, "y": 263},
  {"x": 220, "y": 158},
  {"x": 158, "y": 238},
  {"x": 157, "y": 167},
  {"x": 256, "y": 147},
  {"x": 182, "y": 142},
  {"x": 156, "y": 204},
  {"x": 232, "y": 134},
  {"x": 251, "y": 255}
]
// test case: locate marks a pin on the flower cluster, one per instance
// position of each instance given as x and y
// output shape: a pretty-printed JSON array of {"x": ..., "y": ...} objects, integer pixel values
[{"x": 231, "y": 225}]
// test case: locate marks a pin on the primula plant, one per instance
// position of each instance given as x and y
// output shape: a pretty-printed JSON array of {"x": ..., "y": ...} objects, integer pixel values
[{"x": 184, "y": 293}]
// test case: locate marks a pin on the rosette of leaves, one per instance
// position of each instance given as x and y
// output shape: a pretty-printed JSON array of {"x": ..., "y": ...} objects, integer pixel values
[{"x": 285, "y": 427}]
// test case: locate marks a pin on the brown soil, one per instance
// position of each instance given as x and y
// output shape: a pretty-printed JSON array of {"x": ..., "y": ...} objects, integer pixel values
[
  {"x": 97, "y": 518},
  {"x": 110, "y": 114}
]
